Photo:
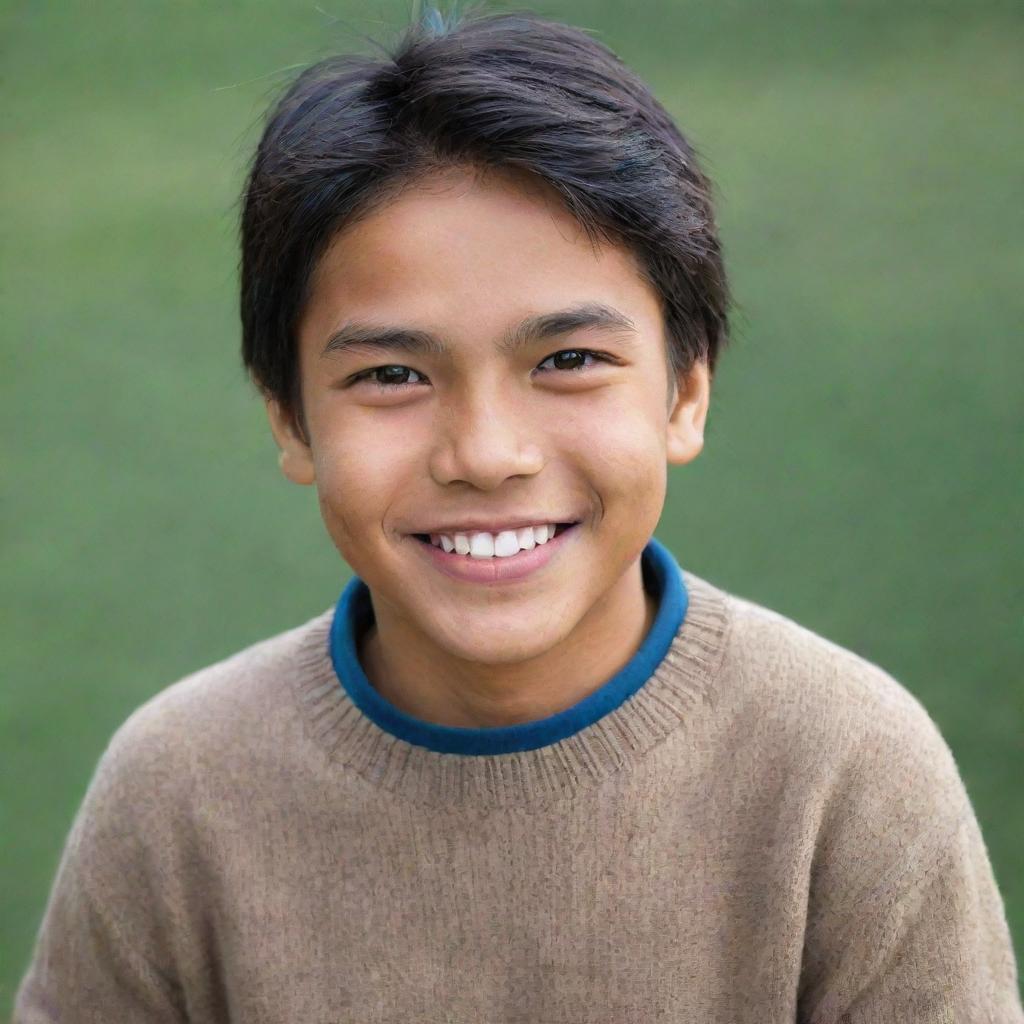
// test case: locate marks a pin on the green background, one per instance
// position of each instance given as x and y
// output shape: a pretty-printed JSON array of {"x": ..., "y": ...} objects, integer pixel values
[{"x": 861, "y": 472}]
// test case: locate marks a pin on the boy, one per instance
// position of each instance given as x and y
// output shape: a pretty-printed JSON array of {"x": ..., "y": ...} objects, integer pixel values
[{"x": 528, "y": 768}]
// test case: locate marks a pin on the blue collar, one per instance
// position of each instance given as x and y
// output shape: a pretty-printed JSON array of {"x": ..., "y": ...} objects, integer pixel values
[{"x": 354, "y": 613}]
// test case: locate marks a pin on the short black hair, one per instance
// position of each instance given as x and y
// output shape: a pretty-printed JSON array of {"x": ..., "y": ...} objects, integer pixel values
[{"x": 514, "y": 90}]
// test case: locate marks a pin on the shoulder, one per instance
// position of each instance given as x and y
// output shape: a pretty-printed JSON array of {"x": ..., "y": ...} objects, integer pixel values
[
  {"x": 790, "y": 667},
  {"x": 795, "y": 662},
  {"x": 238, "y": 707},
  {"x": 176, "y": 766},
  {"x": 852, "y": 735}
]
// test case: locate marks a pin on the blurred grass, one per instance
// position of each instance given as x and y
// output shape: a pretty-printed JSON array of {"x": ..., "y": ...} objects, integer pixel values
[{"x": 862, "y": 466}]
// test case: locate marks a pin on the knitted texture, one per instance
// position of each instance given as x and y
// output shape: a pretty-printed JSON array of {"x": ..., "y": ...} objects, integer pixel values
[{"x": 770, "y": 830}]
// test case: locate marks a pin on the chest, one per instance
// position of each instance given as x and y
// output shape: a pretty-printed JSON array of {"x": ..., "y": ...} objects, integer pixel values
[{"x": 641, "y": 912}]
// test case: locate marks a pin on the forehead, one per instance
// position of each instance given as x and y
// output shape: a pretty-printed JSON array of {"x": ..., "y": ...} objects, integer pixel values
[{"x": 465, "y": 252}]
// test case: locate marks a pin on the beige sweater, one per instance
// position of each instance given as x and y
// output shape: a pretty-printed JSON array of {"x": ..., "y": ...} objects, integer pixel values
[{"x": 770, "y": 830}]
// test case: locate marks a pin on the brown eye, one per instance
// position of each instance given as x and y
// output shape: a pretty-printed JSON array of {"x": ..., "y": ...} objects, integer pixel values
[
  {"x": 390, "y": 377},
  {"x": 571, "y": 359},
  {"x": 392, "y": 374},
  {"x": 572, "y": 355}
]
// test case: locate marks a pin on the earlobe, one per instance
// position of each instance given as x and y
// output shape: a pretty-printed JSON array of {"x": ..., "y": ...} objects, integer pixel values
[
  {"x": 296, "y": 456},
  {"x": 685, "y": 429}
]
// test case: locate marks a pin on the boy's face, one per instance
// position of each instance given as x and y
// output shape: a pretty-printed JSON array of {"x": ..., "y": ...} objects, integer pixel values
[{"x": 482, "y": 432}]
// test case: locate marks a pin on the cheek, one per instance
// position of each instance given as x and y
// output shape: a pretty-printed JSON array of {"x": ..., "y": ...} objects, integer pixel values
[
  {"x": 623, "y": 453},
  {"x": 622, "y": 457},
  {"x": 357, "y": 482},
  {"x": 638, "y": 471}
]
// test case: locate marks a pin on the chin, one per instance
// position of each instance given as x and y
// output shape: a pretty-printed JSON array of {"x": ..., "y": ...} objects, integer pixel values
[{"x": 485, "y": 644}]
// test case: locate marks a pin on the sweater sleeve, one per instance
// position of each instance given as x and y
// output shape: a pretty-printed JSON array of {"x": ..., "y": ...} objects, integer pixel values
[
  {"x": 103, "y": 951},
  {"x": 906, "y": 923},
  {"x": 944, "y": 952}
]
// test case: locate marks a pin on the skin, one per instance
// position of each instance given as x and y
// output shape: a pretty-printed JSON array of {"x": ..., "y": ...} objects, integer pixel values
[{"x": 486, "y": 432}]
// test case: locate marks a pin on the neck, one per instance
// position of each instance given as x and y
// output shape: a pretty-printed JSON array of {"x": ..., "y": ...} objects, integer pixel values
[{"x": 435, "y": 687}]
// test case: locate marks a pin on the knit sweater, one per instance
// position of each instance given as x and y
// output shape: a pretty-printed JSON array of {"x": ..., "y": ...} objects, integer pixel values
[{"x": 748, "y": 824}]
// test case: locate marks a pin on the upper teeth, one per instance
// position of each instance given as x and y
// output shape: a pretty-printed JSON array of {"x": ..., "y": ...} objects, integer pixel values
[{"x": 494, "y": 545}]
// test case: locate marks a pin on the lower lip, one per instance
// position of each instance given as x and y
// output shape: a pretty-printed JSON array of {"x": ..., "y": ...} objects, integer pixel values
[{"x": 493, "y": 570}]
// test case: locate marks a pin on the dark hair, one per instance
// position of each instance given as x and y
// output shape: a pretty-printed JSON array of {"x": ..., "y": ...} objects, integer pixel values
[{"x": 512, "y": 90}]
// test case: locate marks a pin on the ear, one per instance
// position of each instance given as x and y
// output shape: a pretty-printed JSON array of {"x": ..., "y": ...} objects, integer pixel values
[
  {"x": 296, "y": 457},
  {"x": 688, "y": 413}
]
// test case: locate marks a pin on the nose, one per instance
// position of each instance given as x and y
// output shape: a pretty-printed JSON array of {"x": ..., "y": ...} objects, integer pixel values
[{"x": 482, "y": 438}]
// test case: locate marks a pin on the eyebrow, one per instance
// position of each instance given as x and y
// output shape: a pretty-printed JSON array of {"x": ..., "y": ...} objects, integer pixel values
[{"x": 535, "y": 328}]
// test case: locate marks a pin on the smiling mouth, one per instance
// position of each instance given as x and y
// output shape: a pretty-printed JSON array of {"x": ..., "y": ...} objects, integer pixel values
[{"x": 560, "y": 527}]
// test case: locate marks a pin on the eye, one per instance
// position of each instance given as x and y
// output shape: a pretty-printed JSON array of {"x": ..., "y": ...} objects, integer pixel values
[
  {"x": 390, "y": 379},
  {"x": 576, "y": 354}
]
